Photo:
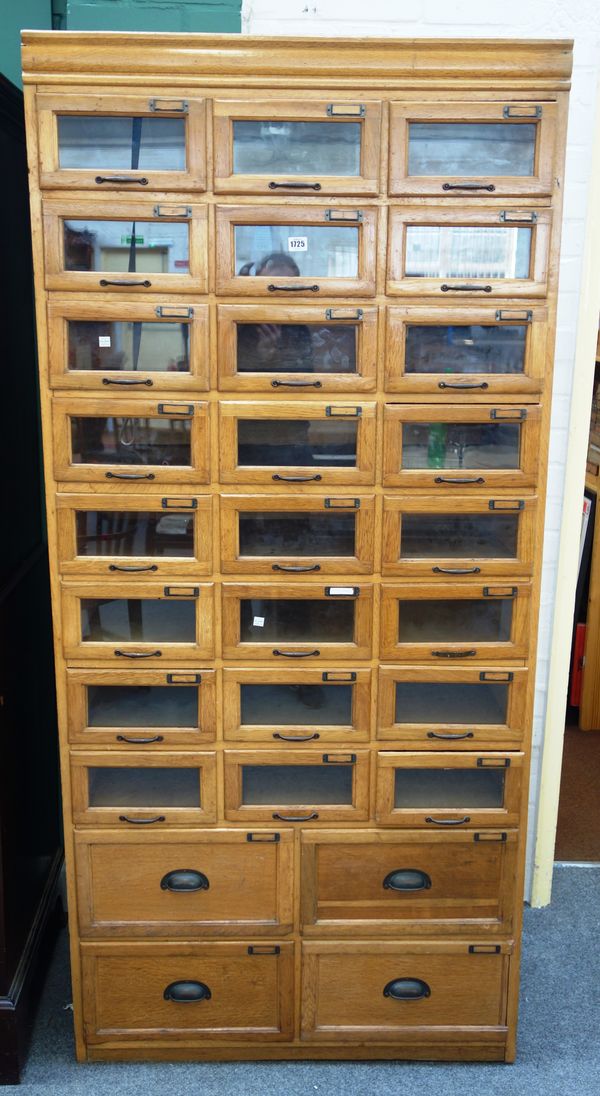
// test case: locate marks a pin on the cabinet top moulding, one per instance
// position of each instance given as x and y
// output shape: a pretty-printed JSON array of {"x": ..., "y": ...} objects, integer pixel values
[{"x": 244, "y": 61}]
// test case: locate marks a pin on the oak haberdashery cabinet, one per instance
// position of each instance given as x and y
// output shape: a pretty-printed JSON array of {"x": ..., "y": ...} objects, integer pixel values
[{"x": 296, "y": 308}]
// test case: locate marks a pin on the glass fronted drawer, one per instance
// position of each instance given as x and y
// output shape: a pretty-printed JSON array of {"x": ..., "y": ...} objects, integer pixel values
[
  {"x": 296, "y": 251},
  {"x": 468, "y": 149},
  {"x": 121, "y": 141},
  {"x": 134, "y": 534},
  {"x": 130, "y": 442},
  {"x": 480, "y": 447},
  {"x": 295, "y": 534},
  {"x": 135, "y": 621},
  {"x": 434, "y": 708},
  {"x": 476, "y": 351},
  {"x": 462, "y": 789},
  {"x": 136, "y": 707},
  {"x": 106, "y": 346},
  {"x": 299, "y": 621},
  {"x": 208, "y": 882},
  {"x": 302, "y": 442},
  {"x": 361, "y": 883},
  {"x": 284, "y": 146},
  {"x": 474, "y": 252},
  {"x": 125, "y": 247},
  {"x": 296, "y": 787},
  {"x": 143, "y": 789},
  {"x": 459, "y": 536},
  {"x": 296, "y": 706},
  {"x": 431, "y": 623},
  {"x": 264, "y": 348}
]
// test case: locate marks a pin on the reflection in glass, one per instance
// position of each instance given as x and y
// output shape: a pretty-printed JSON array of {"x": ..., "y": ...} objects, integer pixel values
[
  {"x": 467, "y": 251},
  {"x": 471, "y": 148},
  {"x": 130, "y": 787},
  {"x": 111, "y": 440},
  {"x": 459, "y": 536},
  {"x": 142, "y": 247},
  {"x": 465, "y": 348},
  {"x": 275, "y": 785},
  {"x": 145, "y": 620},
  {"x": 296, "y": 705},
  {"x": 118, "y": 533},
  {"x": 296, "y": 148},
  {"x": 268, "y": 620},
  {"x": 118, "y": 345},
  {"x": 296, "y": 348},
  {"x": 118, "y": 143},
  {"x": 303, "y": 443},
  {"x": 301, "y": 534},
  {"x": 460, "y": 445},
  {"x": 142, "y": 706},
  {"x": 455, "y": 620},
  {"x": 448, "y": 702},
  {"x": 291, "y": 251},
  {"x": 448, "y": 788}
]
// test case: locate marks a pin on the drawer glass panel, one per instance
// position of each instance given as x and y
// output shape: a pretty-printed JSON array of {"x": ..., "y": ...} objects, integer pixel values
[
  {"x": 309, "y": 251},
  {"x": 117, "y": 533},
  {"x": 149, "y": 787},
  {"x": 455, "y": 620},
  {"x": 302, "y": 534},
  {"x": 121, "y": 143},
  {"x": 459, "y": 536},
  {"x": 142, "y": 706},
  {"x": 465, "y": 348},
  {"x": 296, "y": 784},
  {"x": 296, "y": 705},
  {"x": 296, "y": 148},
  {"x": 301, "y": 442},
  {"x": 146, "y": 620},
  {"x": 131, "y": 441},
  {"x": 467, "y": 251},
  {"x": 461, "y": 444},
  {"x": 447, "y": 702},
  {"x": 119, "y": 345},
  {"x": 471, "y": 148},
  {"x": 448, "y": 788},
  {"x": 296, "y": 348},
  {"x": 155, "y": 247},
  {"x": 296, "y": 621}
]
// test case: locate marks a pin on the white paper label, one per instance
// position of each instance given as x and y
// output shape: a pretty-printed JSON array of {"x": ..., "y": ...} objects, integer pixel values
[
  {"x": 259, "y": 622},
  {"x": 341, "y": 590},
  {"x": 297, "y": 243},
  {"x": 103, "y": 340}
]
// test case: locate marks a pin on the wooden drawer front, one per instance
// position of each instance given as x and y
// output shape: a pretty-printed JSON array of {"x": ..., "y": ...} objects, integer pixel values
[
  {"x": 458, "y": 537},
  {"x": 128, "y": 708},
  {"x": 215, "y": 991},
  {"x": 119, "y": 346},
  {"x": 471, "y": 149},
  {"x": 365, "y": 883},
  {"x": 134, "y": 535},
  {"x": 301, "y": 620},
  {"x": 122, "y": 142},
  {"x": 431, "y": 623},
  {"x": 143, "y": 789},
  {"x": 428, "y": 708},
  {"x": 90, "y": 245},
  {"x": 130, "y": 443},
  {"x": 138, "y": 621},
  {"x": 507, "y": 252},
  {"x": 478, "y": 352},
  {"x": 311, "y": 443},
  {"x": 296, "y": 786},
  {"x": 311, "y": 250},
  {"x": 286, "y": 147},
  {"x": 278, "y": 535},
  {"x": 207, "y": 882},
  {"x": 296, "y": 706},
  {"x": 477, "y": 448},
  {"x": 280, "y": 348},
  {"x": 444, "y": 992},
  {"x": 462, "y": 789}
]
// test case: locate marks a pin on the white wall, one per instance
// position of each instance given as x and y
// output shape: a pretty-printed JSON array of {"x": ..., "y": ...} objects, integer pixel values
[{"x": 577, "y": 19}]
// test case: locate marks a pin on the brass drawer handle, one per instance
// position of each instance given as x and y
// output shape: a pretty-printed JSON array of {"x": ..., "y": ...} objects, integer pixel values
[
  {"x": 185, "y": 993},
  {"x": 407, "y": 989}
]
